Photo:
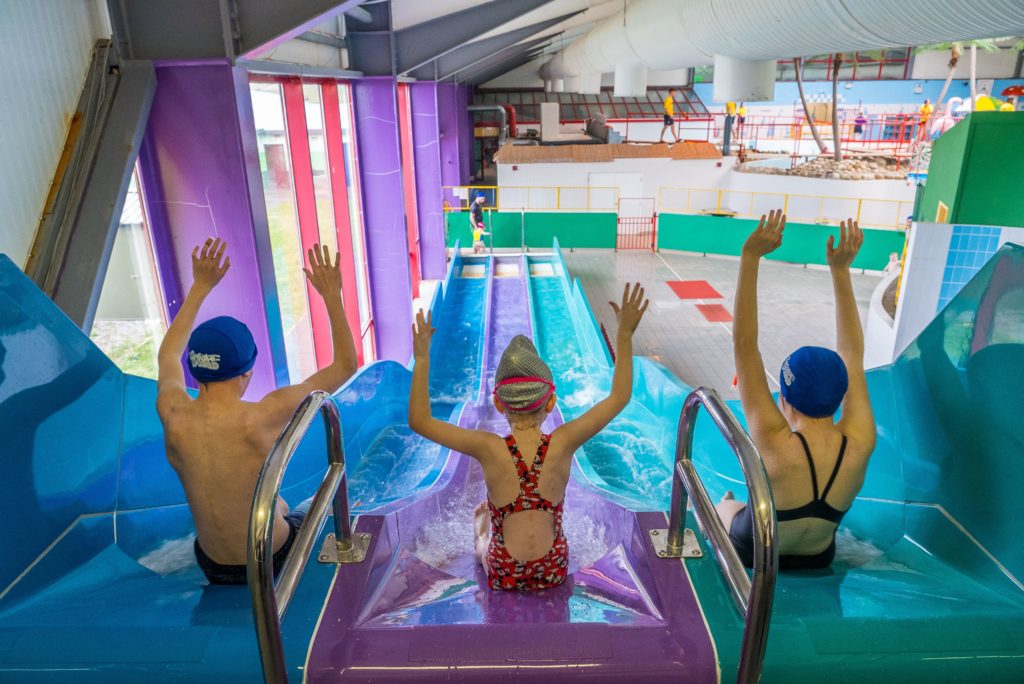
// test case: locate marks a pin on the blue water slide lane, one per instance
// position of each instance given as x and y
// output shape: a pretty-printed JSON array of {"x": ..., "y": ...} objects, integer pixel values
[{"x": 101, "y": 558}]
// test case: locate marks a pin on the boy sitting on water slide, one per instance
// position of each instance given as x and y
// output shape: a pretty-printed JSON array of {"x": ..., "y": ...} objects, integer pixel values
[
  {"x": 526, "y": 472},
  {"x": 217, "y": 443}
]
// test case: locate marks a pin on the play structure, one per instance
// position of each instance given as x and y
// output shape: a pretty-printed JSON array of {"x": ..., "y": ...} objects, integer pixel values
[{"x": 98, "y": 582}]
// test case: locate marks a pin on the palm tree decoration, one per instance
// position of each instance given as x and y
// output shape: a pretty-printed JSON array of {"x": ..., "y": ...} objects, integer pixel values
[
  {"x": 837, "y": 61},
  {"x": 956, "y": 51},
  {"x": 798, "y": 66}
]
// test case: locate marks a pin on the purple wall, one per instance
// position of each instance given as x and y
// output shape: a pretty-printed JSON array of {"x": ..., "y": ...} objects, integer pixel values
[
  {"x": 448, "y": 135},
  {"x": 383, "y": 215},
  {"x": 428, "y": 178},
  {"x": 466, "y": 143},
  {"x": 196, "y": 184}
]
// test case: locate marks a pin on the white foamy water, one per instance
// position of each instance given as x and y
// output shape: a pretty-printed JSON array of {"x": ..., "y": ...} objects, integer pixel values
[
  {"x": 858, "y": 553},
  {"x": 171, "y": 556},
  {"x": 448, "y": 541}
]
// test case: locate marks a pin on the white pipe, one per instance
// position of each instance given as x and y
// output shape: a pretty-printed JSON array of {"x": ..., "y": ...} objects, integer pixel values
[{"x": 669, "y": 34}]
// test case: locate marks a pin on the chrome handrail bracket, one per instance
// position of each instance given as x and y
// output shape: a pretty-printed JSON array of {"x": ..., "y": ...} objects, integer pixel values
[
  {"x": 689, "y": 549},
  {"x": 338, "y": 552},
  {"x": 753, "y": 599}
]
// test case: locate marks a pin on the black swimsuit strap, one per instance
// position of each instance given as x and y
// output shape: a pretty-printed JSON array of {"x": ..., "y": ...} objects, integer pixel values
[
  {"x": 810, "y": 464},
  {"x": 835, "y": 471}
]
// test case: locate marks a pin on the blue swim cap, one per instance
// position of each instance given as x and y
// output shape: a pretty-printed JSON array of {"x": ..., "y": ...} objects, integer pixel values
[
  {"x": 220, "y": 349},
  {"x": 813, "y": 380},
  {"x": 481, "y": 195}
]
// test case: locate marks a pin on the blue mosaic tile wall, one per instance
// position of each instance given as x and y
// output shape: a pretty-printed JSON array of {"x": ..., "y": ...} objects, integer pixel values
[{"x": 969, "y": 248}]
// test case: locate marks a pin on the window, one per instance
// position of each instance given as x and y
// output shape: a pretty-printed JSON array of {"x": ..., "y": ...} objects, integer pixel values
[
  {"x": 300, "y": 125},
  {"x": 282, "y": 221},
  {"x": 130, "y": 321},
  {"x": 355, "y": 207}
]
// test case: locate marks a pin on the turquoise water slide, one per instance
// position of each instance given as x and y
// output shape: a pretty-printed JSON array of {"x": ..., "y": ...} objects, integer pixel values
[{"x": 927, "y": 585}]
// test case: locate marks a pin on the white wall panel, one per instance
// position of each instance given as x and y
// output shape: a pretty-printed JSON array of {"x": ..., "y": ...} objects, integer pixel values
[{"x": 45, "y": 47}]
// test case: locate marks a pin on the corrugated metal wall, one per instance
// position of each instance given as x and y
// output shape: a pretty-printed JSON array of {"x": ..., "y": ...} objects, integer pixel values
[{"x": 45, "y": 46}]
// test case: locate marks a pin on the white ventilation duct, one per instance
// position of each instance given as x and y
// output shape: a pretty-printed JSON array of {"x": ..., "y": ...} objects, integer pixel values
[{"x": 669, "y": 34}]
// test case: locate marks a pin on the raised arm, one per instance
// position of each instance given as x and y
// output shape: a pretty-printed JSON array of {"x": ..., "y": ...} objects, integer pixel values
[
  {"x": 764, "y": 420},
  {"x": 473, "y": 443},
  {"x": 326, "y": 280},
  {"x": 628, "y": 314},
  {"x": 207, "y": 271},
  {"x": 858, "y": 420}
]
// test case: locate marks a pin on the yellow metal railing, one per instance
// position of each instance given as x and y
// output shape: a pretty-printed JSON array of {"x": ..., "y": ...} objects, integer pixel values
[
  {"x": 534, "y": 198},
  {"x": 825, "y": 209}
]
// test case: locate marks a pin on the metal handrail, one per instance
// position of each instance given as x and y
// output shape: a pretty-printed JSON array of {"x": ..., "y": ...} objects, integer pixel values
[
  {"x": 752, "y": 600},
  {"x": 270, "y": 598}
]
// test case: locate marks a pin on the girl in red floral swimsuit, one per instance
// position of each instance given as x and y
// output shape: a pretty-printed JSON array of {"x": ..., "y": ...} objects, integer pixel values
[{"x": 526, "y": 472}]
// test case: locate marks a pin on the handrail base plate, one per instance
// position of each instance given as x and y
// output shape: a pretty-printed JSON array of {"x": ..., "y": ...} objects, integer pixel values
[
  {"x": 691, "y": 547},
  {"x": 330, "y": 553}
]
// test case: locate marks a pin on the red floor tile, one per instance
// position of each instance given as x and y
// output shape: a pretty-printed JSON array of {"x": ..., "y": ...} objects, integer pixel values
[
  {"x": 694, "y": 289},
  {"x": 715, "y": 313}
]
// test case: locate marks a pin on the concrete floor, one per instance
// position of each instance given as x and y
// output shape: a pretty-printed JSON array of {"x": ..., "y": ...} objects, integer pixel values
[{"x": 796, "y": 309}]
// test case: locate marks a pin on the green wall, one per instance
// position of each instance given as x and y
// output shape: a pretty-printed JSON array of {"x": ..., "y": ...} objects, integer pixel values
[
  {"x": 803, "y": 243},
  {"x": 976, "y": 170},
  {"x": 571, "y": 229}
]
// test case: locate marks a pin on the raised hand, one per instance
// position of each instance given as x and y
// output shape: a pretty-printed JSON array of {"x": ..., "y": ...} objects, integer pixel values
[
  {"x": 767, "y": 237},
  {"x": 325, "y": 277},
  {"x": 422, "y": 331},
  {"x": 632, "y": 308},
  {"x": 207, "y": 269},
  {"x": 851, "y": 237}
]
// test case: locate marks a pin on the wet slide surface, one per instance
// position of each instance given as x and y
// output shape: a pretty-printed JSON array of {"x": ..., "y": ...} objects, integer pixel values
[{"x": 421, "y": 609}]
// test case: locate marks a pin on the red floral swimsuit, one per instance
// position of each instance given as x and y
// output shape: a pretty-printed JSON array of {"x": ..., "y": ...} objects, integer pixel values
[{"x": 504, "y": 571}]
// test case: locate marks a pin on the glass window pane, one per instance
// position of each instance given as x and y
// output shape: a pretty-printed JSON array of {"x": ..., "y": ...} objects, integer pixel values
[
  {"x": 318, "y": 160},
  {"x": 355, "y": 207},
  {"x": 285, "y": 243},
  {"x": 129, "y": 320}
]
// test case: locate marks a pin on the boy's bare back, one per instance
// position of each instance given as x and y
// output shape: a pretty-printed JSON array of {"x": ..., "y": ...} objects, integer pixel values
[{"x": 218, "y": 447}]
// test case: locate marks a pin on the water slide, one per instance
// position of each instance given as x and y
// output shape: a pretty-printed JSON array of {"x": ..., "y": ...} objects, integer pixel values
[{"x": 98, "y": 583}]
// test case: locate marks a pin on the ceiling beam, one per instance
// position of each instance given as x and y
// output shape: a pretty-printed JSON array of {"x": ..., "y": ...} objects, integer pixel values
[
  {"x": 375, "y": 50},
  {"x": 471, "y": 53},
  {"x": 322, "y": 39},
  {"x": 214, "y": 29},
  {"x": 494, "y": 72},
  {"x": 265, "y": 24},
  {"x": 499, "y": 58}
]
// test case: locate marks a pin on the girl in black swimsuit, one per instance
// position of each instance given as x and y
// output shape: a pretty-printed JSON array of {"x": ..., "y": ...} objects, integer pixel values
[{"x": 814, "y": 383}]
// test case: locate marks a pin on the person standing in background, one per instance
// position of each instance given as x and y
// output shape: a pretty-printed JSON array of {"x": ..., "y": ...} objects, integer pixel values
[
  {"x": 668, "y": 114},
  {"x": 925, "y": 111}
]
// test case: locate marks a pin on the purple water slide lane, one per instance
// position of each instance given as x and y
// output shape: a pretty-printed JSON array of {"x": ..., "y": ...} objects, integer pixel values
[
  {"x": 194, "y": 174},
  {"x": 383, "y": 215},
  {"x": 427, "y": 156},
  {"x": 418, "y": 608},
  {"x": 448, "y": 136}
]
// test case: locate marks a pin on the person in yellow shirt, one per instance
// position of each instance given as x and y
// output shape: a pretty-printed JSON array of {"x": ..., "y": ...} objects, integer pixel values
[
  {"x": 669, "y": 113},
  {"x": 730, "y": 109},
  {"x": 925, "y": 111}
]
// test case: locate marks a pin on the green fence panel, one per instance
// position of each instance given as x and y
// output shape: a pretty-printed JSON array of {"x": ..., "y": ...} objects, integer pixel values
[
  {"x": 507, "y": 229},
  {"x": 572, "y": 229},
  {"x": 804, "y": 243}
]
